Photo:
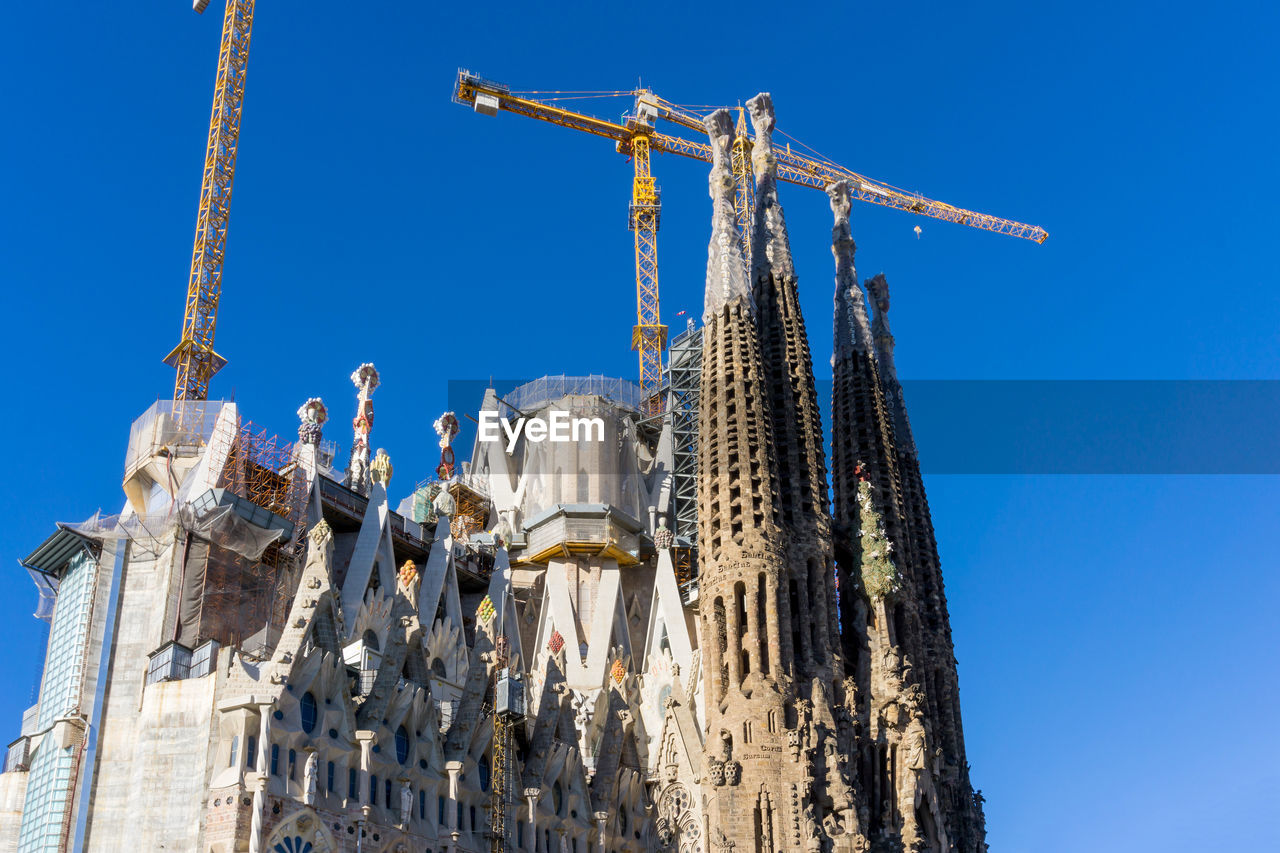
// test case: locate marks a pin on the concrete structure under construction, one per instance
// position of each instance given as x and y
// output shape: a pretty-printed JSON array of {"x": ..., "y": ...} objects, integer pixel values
[{"x": 641, "y": 633}]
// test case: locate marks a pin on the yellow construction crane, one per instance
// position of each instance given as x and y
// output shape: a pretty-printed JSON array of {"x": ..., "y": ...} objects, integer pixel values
[
  {"x": 637, "y": 137},
  {"x": 194, "y": 356}
]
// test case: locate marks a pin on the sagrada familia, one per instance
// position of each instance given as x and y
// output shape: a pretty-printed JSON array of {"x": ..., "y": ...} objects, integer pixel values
[{"x": 677, "y": 632}]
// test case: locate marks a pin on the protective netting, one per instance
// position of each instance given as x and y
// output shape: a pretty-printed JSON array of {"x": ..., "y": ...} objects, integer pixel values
[
  {"x": 181, "y": 426},
  {"x": 226, "y": 591},
  {"x": 539, "y": 392},
  {"x": 221, "y": 525},
  {"x": 47, "y": 590}
]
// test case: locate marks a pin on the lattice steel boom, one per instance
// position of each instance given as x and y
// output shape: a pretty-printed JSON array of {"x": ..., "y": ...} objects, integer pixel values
[
  {"x": 636, "y": 137},
  {"x": 194, "y": 357}
]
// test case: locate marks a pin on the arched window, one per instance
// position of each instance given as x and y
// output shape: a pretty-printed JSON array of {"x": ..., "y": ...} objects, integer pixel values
[
  {"x": 293, "y": 764},
  {"x": 438, "y": 670},
  {"x": 373, "y": 790},
  {"x": 308, "y": 706},
  {"x": 250, "y": 751},
  {"x": 557, "y": 797},
  {"x": 422, "y": 805},
  {"x": 402, "y": 745},
  {"x": 387, "y": 788},
  {"x": 275, "y": 759},
  {"x": 485, "y": 772},
  {"x": 235, "y": 748},
  {"x": 622, "y": 819},
  {"x": 329, "y": 779},
  {"x": 369, "y": 638}
]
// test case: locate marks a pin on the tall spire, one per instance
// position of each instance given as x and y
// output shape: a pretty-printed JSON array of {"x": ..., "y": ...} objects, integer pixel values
[
  {"x": 726, "y": 268},
  {"x": 795, "y": 418},
  {"x": 852, "y": 328},
  {"x": 744, "y": 578},
  {"x": 365, "y": 378},
  {"x": 770, "y": 250}
]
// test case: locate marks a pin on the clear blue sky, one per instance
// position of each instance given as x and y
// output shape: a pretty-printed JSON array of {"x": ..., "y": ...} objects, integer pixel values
[{"x": 1116, "y": 635}]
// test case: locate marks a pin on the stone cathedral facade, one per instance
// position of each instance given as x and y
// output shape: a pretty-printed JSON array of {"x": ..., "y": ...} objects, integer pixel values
[{"x": 264, "y": 651}]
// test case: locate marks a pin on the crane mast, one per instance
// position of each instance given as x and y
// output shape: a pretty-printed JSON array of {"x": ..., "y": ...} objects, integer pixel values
[
  {"x": 649, "y": 336},
  {"x": 194, "y": 358},
  {"x": 744, "y": 198}
]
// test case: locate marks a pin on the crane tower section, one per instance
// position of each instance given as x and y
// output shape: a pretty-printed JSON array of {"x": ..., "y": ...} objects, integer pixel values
[{"x": 194, "y": 357}]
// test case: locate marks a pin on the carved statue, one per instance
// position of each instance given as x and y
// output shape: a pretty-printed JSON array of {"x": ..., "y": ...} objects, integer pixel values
[
  {"x": 812, "y": 839},
  {"x": 851, "y": 693},
  {"x": 663, "y": 538},
  {"x": 444, "y": 503},
  {"x": 915, "y": 741},
  {"x": 309, "y": 778},
  {"x": 891, "y": 659},
  {"x": 406, "y": 803}
]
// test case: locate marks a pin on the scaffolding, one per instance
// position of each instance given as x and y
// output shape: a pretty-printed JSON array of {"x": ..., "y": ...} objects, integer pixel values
[
  {"x": 247, "y": 600},
  {"x": 685, "y": 372},
  {"x": 472, "y": 511}
]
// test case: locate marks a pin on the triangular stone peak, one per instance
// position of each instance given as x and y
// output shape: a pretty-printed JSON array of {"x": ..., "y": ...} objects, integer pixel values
[
  {"x": 372, "y": 562},
  {"x": 668, "y": 627}
]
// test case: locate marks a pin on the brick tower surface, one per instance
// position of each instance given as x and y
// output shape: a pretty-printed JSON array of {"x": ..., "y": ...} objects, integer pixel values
[
  {"x": 796, "y": 423},
  {"x": 912, "y": 779},
  {"x": 743, "y": 568}
]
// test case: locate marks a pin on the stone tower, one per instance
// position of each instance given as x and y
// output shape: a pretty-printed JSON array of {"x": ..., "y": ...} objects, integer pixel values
[
  {"x": 796, "y": 422},
  {"x": 776, "y": 736},
  {"x": 743, "y": 551},
  {"x": 960, "y": 805},
  {"x": 912, "y": 779}
]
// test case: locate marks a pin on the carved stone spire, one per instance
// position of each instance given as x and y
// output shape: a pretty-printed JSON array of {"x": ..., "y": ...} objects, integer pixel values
[
  {"x": 365, "y": 378},
  {"x": 793, "y": 406},
  {"x": 852, "y": 328},
  {"x": 313, "y": 416},
  {"x": 770, "y": 250},
  {"x": 726, "y": 268},
  {"x": 744, "y": 575}
]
